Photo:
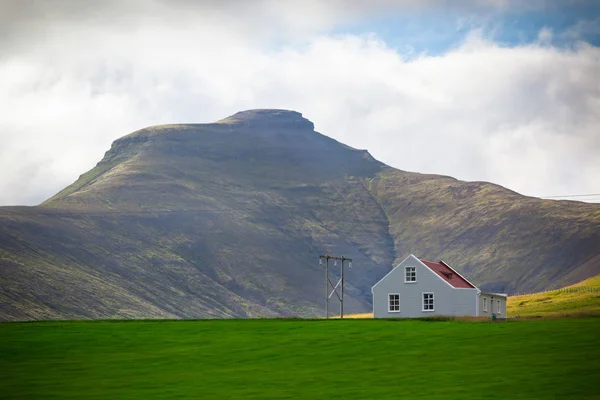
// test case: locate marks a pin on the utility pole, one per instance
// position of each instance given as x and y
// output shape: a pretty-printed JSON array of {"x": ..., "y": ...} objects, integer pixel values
[{"x": 339, "y": 284}]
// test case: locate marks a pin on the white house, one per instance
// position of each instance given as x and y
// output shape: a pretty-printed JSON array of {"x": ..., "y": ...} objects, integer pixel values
[{"x": 420, "y": 288}]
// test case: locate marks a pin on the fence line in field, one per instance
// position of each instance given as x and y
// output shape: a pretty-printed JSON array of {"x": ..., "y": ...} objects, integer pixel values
[{"x": 576, "y": 289}]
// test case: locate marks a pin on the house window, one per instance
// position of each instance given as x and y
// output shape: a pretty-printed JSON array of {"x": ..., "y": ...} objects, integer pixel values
[
  {"x": 498, "y": 306},
  {"x": 485, "y": 304},
  {"x": 410, "y": 274},
  {"x": 428, "y": 302},
  {"x": 394, "y": 302}
]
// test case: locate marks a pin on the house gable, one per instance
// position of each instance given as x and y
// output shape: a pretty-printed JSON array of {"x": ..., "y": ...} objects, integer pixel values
[
  {"x": 441, "y": 269},
  {"x": 399, "y": 269}
]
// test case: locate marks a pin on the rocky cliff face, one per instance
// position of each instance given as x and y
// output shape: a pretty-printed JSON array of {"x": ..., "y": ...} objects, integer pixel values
[{"x": 227, "y": 220}]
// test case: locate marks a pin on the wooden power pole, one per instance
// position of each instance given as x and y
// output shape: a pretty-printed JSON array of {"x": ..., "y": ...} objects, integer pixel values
[{"x": 329, "y": 284}]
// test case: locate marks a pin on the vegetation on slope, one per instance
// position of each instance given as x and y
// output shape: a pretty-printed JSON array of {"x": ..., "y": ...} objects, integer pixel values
[
  {"x": 276, "y": 359},
  {"x": 583, "y": 297},
  {"x": 502, "y": 241},
  {"x": 590, "y": 282},
  {"x": 227, "y": 219}
]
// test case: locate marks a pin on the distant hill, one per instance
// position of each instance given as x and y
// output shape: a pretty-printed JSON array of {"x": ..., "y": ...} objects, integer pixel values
[
  {"x": 583, "y": 297},
  {"x": 227, "y": 220}
]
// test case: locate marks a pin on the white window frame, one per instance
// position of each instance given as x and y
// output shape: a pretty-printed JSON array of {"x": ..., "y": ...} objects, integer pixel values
[
  {"x": 390, "y": 305},
  {"x": 485, "y": 304},
  {"x": 498, "y": 307},
  {"x": 423, "y": 301},
  {"x": 406, "y": 271}
]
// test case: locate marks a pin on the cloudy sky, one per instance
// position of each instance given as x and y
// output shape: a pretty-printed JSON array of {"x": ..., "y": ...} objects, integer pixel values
[{"x": 490, "y": 90}]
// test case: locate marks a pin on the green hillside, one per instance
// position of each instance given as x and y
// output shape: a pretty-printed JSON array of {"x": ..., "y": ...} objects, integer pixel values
[
  {"x": 278, "y": 359},
  {"x": 591, "y": 282},
  {"x": 583, "y": 297},
  {"x": 227, "y": 220}
]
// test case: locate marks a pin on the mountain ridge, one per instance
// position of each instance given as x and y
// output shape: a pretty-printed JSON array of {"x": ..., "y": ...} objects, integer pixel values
[{"x": 225, "y": 220}]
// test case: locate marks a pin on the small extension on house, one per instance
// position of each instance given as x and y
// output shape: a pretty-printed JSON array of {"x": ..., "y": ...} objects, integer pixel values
[{"x": 419, "y": 288}]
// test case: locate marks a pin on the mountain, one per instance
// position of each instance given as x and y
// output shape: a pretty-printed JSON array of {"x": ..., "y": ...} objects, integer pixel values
[{"x": 227, "y": 220}]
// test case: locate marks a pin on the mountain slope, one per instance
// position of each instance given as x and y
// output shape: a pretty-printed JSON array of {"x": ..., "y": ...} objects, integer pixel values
[
  {"x": 501, "y": 240},
  {"x": 583, "y": 297},
  {"x": 227, "y": 219}
]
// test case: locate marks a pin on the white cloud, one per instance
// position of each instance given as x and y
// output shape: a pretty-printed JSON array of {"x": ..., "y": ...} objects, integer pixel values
[
  {"x": 545, "y": 35},
  {"x": 523, "y": 117}
]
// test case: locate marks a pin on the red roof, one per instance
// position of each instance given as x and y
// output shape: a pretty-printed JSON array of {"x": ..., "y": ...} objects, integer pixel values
[{"x": 448, "y": 274}]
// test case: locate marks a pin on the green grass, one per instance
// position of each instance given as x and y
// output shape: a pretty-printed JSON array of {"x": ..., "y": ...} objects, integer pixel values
[
  {"x": 583, "y": 297},
  {"x": 301, "y": 359},
  {"x": 593, "y": 282}
]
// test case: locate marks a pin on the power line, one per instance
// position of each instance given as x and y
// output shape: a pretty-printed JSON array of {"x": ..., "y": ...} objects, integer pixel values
[{"x": 571, "y": 195}]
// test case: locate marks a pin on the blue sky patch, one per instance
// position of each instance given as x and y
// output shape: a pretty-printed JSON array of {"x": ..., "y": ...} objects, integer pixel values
[{"x": 435, "y": 31}]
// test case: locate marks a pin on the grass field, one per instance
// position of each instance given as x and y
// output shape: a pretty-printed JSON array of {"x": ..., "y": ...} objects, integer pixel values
[
  {"x": 583, "y": 297},
  {"x": 301, "y": 359}
]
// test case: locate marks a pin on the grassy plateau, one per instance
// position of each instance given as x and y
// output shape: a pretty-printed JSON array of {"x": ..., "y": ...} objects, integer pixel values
[{"x": 301, "y": 359}]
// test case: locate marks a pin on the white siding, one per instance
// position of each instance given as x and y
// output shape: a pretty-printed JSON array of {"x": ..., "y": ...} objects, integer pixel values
[
  {"x": 447, "y": 299},
  {"x": 492, "y": 305}
]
